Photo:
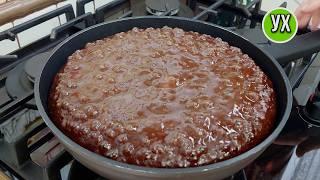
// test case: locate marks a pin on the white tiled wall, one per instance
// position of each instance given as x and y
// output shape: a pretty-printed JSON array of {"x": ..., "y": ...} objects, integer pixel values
[
  {"x": 41, "y": 30},
  {"x": 38, "y": 31},
  {"x": 100, "y": 3},
  {"x": 44, "y": 29},
  {"x": 7, "y": 45},
  {"x": 73, "y": 3}
]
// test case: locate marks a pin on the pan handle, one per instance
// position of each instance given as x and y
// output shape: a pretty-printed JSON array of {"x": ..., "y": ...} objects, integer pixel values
[{"x": 300, "y": 46}]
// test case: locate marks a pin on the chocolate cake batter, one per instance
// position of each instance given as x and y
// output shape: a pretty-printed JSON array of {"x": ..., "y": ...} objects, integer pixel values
[{"x": 163, "y": 98}]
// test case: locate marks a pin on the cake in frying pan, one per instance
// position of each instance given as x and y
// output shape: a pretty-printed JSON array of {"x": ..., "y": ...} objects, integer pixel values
[{"x": 163, "y": 98}]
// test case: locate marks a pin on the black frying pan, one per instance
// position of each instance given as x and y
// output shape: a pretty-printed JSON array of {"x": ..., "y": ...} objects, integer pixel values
[{"x": 117, "y": 170}]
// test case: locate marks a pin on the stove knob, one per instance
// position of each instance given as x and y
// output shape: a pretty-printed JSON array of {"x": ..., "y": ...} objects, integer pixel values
[
  {"x": 312, "y": 109},
  {"x": 311, "y": 115}
]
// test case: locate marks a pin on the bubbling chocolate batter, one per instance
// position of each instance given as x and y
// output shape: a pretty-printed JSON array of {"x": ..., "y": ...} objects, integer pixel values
[{"x": 163, "y": 98}]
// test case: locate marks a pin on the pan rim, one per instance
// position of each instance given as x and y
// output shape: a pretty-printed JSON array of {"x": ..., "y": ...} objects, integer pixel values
[{"x": 164, "y": 171}]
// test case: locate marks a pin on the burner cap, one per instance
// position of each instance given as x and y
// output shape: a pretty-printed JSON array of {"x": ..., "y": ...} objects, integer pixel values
[
  {"x": 17, "y": 83},
  {"x": 161, "y": 7},
  {"x": 33, "y": 66}
]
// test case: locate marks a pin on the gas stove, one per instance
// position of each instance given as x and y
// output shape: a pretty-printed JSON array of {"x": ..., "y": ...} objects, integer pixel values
[{"x": 30, "y": 151}]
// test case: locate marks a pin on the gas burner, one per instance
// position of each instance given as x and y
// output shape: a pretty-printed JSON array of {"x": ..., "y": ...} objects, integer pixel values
[
  {"x": 21, "y": 78},
  {"x": 17, "y": 82},
  {"x": 163, "y": 7},
  {"x": 34, "y": 66}
]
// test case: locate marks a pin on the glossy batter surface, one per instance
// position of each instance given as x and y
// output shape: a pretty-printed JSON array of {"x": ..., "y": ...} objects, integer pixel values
[{"x": 163, "y": 98}]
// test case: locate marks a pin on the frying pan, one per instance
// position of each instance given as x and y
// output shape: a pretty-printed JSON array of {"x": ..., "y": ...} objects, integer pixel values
[{"x": 116, "y": 170}]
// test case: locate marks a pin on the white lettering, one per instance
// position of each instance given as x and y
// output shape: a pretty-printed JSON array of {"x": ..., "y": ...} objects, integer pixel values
[
  {"x": 275, "y": 22},
  {"x": 285, "y": 23}
]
